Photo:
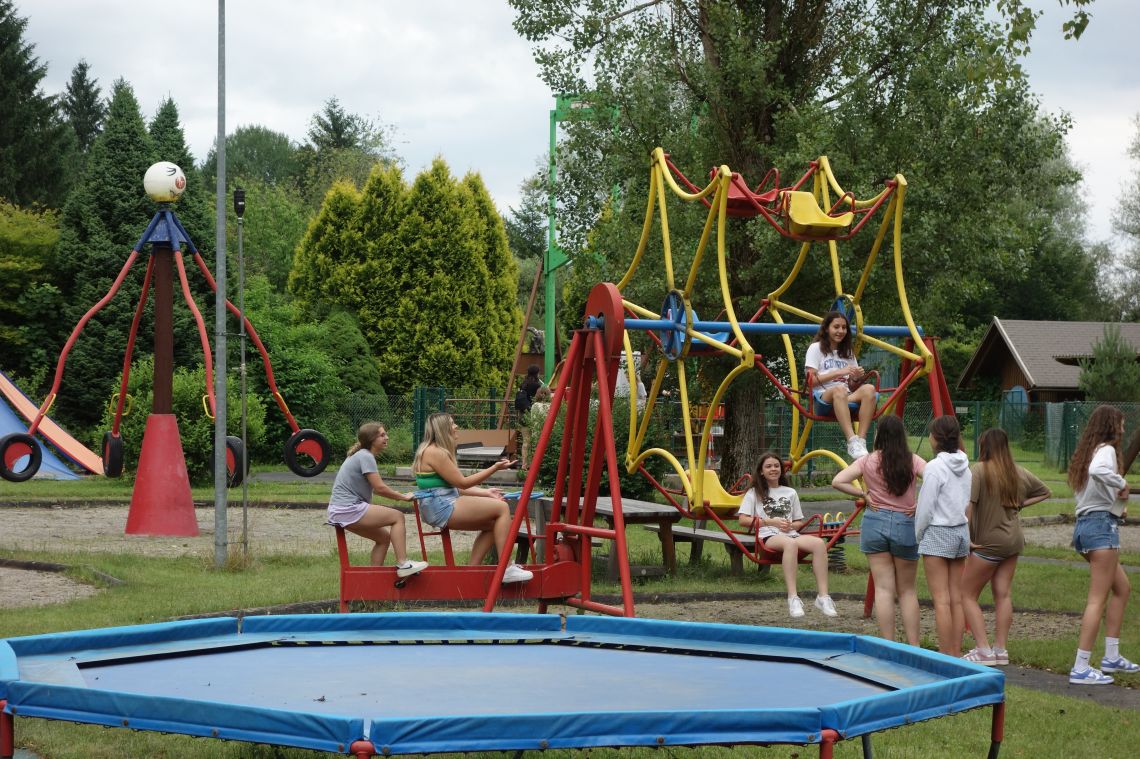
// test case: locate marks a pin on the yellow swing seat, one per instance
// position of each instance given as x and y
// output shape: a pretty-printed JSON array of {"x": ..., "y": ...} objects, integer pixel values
[
  {"x": 805, "y": 217},
  {"x": 721, "y": 501}
]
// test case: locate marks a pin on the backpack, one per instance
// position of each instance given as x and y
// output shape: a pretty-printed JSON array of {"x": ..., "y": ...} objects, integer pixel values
[{"x": 522, "y": 400}]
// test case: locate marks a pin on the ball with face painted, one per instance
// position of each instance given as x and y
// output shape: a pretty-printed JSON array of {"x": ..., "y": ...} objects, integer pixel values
[{"x": 164, "y": 182}]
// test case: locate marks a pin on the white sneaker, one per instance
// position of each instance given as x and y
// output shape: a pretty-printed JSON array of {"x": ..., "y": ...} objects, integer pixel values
[
  {"x": 795, "y": 607},
  {"x": 856, "y": 447},
  {"x": 826, "y": 605},
  {"x": 515, "y": 573},
  {"x": 409, "y": 568}
]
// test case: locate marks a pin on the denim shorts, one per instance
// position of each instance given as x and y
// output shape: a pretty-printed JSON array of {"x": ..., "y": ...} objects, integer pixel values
[
  {"x": 1096, "y": 531},
  {"x": 436, "y": 505},
  {"x": 945, "y": 541},
  {"x": 885, "y": 531}
]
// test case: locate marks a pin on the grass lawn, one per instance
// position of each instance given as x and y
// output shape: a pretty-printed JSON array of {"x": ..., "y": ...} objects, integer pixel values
[{"x": 159, "y": 589}]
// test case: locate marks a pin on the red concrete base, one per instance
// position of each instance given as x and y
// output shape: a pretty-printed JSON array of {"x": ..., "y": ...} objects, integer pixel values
[{"x": 161, "y": 503}]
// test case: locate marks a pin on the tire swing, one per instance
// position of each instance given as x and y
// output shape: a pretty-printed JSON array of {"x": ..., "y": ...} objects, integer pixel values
[
  {"x": 307, "y": 453},
  {"x": 235, "y": 454},
  {"x": 112, "y": 454},
  {"x": 15, "y": 447}
]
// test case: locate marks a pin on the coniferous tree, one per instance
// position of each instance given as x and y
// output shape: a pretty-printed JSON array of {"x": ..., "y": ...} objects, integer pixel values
[
  {"x": 499, "y": 320},
  {"x": 83, "y": 106},
  {"x": 35, "y": 144},
  {"x": 1112, "y": 374},
  {"x": 103, "y": 219},
  {"x": 333, "y": 238}
]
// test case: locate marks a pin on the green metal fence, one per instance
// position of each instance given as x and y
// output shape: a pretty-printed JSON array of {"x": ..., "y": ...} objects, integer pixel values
[{"x": 1040, "y": 433}]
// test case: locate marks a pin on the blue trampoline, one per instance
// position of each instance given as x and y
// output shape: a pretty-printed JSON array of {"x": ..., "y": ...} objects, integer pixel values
[{"x": 368, "y": 684}]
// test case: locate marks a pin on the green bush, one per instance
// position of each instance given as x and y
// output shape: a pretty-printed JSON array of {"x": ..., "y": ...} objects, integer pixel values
[
  {"x": 195, "y": 428},
  {"x": 632, "y": 485}
]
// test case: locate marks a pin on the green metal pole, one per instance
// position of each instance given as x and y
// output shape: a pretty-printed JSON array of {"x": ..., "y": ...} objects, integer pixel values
[{"x": 549, "y": 263}]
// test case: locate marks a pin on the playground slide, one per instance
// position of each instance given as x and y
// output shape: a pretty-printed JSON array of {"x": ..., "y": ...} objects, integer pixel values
[{"x": 52, "y": 432}]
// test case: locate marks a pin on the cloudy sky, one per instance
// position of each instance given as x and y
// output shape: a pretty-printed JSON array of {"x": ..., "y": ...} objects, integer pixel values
[{"x": 454, "y": 80}]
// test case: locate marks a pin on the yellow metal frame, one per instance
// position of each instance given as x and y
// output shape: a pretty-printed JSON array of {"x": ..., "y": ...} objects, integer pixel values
[{"x": 660, "y": 178}]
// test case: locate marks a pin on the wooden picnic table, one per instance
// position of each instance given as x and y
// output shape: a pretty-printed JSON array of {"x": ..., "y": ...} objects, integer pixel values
[{"x": 634, "y": 512}]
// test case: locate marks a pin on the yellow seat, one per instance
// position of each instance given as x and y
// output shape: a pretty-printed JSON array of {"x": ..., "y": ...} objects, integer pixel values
[
  {"x": 721, "y": 501},
  {"x": 805, "y": 217}
]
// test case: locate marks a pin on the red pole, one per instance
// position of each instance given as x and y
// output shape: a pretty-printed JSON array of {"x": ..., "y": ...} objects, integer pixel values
[
  {"x": 362, "y": 749},
  {"x": 7, "y": 732}
]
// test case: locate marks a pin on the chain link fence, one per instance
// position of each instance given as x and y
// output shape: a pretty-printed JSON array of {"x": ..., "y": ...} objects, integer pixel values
[{"x": 1039, "y": 433}]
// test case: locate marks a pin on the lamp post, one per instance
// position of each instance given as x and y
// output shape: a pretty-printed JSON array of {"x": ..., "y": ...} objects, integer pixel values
[{"x": 239, "y": 211}]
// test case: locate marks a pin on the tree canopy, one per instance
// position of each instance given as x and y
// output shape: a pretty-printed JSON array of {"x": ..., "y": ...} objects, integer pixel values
[
  {"x": 931, "y": 90},
  {"x": 83, "y": 106}
]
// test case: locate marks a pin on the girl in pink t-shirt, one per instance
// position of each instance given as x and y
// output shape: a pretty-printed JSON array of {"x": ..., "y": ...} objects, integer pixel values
[{"x": 887, "y": 532}]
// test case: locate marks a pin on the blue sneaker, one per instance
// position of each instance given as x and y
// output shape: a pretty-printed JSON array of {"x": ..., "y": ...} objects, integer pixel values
[
  {"x": 1089, "y": 677},
  {"x": 1119, "y": 664}
]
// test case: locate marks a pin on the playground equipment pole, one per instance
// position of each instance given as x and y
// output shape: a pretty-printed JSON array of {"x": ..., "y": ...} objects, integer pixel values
[
  {"x": 239, "y": 211},
  {"x": 220, "y": 531}
]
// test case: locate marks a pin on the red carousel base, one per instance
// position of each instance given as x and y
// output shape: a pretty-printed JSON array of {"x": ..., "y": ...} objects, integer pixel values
[{"x": 161, "y": 503}]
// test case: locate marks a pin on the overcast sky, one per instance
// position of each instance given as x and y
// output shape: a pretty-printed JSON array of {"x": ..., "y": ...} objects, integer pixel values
[{"x": 453, "y": 78}]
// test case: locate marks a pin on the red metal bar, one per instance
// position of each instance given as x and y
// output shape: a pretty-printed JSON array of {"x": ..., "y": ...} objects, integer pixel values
[
  {"x": 827, "y": 740},
  {"x": 256, "y": 341},
  {"x": 7, "y": 732},
  {"x": 202, "y": 336},
  {"x": 75, "y": 335},
  {"x": 997, "y": 729},
  {"x": 362, "y": 749},
  {"x": 131, "y": 347}
]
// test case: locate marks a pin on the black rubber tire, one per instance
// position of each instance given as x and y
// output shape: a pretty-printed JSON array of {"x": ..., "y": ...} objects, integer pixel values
[
  {"x": 235, "y": 455},
  {"x": 294, "y": 459},
  {"x": 34, "y": 452},
  {"x": 112, "y": 454}
]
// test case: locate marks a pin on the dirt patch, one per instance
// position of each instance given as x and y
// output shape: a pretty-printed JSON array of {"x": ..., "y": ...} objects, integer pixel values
[{"x": 24, "y": 587}]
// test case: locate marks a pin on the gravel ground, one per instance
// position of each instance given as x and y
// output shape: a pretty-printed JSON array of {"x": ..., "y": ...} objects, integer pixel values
[{"x": 99, "y": 529}]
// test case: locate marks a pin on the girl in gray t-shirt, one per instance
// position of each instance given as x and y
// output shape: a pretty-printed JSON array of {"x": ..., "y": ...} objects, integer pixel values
[{"x": 351, "y": 507}]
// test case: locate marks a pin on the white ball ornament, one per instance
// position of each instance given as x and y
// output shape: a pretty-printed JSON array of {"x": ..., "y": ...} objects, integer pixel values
[{"x": 164, "y": 182}]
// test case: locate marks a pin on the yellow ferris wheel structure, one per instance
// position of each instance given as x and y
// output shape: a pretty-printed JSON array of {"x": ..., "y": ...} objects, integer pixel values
[{"x": 813, "y": 211}]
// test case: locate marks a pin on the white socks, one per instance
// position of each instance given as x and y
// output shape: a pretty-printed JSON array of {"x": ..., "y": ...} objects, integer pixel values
[
  {"x": 1111, "y": 648},
  {"x": 1082, "y": 662}
]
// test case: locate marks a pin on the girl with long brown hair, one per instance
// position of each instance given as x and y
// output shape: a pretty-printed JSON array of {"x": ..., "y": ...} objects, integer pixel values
[
  {"x": 887, "y": 532},
  {"x": 999, "y": 490},
  {"x": 831, "y": 365},
  {"x": 1102, "y": 496},
  {"x": 772, "y": 508}
]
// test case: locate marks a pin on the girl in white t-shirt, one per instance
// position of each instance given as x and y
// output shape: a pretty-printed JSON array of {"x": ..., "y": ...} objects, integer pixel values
[
  {"x": 830, "y": 365},
  {"x": 771, "y": 509}
]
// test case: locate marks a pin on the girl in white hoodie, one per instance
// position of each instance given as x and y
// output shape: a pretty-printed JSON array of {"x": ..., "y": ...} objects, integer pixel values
[{"x": 942, "y": 531}]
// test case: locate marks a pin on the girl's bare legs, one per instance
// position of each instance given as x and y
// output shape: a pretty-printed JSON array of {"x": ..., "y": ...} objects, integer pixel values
[
  {"x": 868, "y": 400},
  {"x": 1105, "y": 575},
  {"x": 883, "y": 573},
  {"x": 893, "y": 578},
  {"x": 818, "y": 550},
  {"x": 790, "y": 559},
  {"x": 382, "y": 525},
  {"x": 490, "y": 516},
  {"x": 977, "y": 573},
  {"x": 838, "y": 398},
  {"x": 943, "y": 577},
  {"x": 906, "y": 586},
  {"x": 1002, "y": 586}
]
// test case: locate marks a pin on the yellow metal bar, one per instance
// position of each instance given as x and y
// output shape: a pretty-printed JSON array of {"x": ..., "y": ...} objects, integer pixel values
[
  {"x": 659, "y": 161},
  {"x": 639, "y": 309},
  {"x": 774, "y": 296},
  {"x": 714, "y": 213},
  {"x": 646, "y": 226},
  {"x": 874, "y": 254},
  {"x": 666, "y": 245}
]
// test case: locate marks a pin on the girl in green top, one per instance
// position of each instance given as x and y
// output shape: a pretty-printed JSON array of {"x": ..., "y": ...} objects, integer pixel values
[{"x": 448, "y": 498}]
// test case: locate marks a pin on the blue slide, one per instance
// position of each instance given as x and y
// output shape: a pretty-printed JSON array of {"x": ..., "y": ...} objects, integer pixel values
[{"x": 50, "y": 467}]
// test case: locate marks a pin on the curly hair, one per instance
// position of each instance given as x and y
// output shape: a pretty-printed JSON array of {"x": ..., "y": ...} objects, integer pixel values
[
  {"x": 1104, "y": 427},
  {"x": 997, "y": 468},
  {"x": 844, "y": 349},
  {"x": 895, "y": 459}
]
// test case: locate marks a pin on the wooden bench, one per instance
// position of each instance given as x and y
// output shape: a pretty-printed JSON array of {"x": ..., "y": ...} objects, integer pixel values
[
  {"x": 485, "y": 446},
  {"x": 682, "y": 533}
]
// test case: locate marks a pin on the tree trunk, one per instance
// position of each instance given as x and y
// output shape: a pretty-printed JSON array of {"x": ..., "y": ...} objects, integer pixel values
[{"x": 743, "y": 440}]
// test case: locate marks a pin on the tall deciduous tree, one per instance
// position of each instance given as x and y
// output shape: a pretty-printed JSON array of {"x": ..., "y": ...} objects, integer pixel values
[
  {"x": 83, "y": 106},
  {"x": 912, "y": 87},
  {"x": 256, "y": 153},
  {"x": 1121, "y": 262},
  {"x": 34, "y": 142}
]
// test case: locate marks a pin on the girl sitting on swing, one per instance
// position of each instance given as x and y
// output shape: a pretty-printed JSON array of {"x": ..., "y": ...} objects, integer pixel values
[{"x": 832, "y": 369}]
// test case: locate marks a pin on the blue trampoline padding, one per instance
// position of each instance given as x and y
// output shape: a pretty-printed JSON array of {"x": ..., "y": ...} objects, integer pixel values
[{"x": 323, "y": 681}]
